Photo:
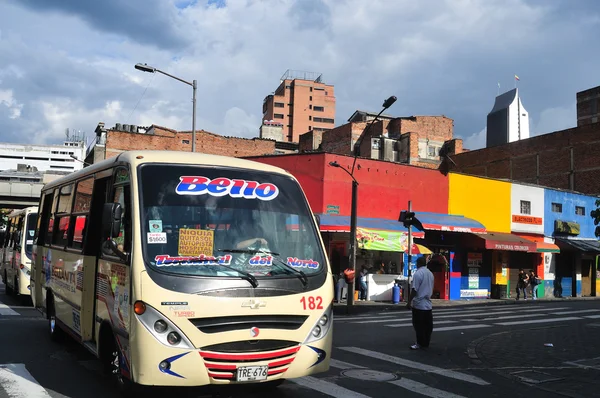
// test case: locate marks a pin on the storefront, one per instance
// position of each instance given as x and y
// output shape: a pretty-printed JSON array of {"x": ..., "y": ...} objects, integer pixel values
[
  {"x": 381, "y": 249},
  {"x": 445, "y": 236},
  {"x": 582, "y": 255}
]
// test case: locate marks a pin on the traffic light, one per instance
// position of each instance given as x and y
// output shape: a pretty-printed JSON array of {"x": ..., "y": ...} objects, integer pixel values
[{"x": 407, "y": 218}]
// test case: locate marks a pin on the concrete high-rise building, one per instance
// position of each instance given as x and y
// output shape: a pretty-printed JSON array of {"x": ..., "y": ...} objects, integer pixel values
[
  {"x": 508, "y": 121},
  {"x": 302, "y": 103},
  {"x": 588, "y": 106}
]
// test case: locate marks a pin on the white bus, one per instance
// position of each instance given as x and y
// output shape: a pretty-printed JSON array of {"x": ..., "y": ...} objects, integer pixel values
[
  {"x": 17, "y": 251},
  {"x": 183, "y": 269}
]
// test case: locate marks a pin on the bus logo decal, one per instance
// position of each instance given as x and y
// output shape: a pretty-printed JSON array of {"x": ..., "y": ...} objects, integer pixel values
[
  {"x": 253, "y": 304},
  {"x": 221, "y": 186},
  {"x": 254, "y": 331}
]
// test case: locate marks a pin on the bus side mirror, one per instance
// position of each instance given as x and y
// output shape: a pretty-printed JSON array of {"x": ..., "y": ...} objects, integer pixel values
[{"x": 111, "y": 220}]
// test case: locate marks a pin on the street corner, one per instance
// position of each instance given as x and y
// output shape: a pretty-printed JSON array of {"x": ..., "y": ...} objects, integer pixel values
[{"x": 559, "y": 359}]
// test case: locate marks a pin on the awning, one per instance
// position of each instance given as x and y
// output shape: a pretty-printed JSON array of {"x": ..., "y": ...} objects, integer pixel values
[
  {"x": 543, "y": 247},
  {"x": 584, "y": 245},
  {"x": 332, "y": 223},
  {"x": 502, "y": 241},
  {"x": 449, "y": 222}
]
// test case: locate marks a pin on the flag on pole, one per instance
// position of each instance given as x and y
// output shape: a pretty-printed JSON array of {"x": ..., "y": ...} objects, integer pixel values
[{"x": 517, "y": 77}]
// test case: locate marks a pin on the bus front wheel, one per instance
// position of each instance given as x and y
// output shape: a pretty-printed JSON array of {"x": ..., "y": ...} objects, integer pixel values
[{"x": 113, "y": 359}]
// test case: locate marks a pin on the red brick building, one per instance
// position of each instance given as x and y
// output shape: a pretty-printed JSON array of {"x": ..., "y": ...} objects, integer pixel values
[
  {"x": 567, "y": 159},
  {"x": 588, "y": 106},
  {"x": 302, "y": 102},
  {"x": 414, "y": 140},
  {"x": 110, "y": 142}
]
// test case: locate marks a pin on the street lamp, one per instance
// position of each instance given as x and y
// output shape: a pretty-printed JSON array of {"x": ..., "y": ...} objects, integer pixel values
[
  {"x": 151, "y": 69},
  {"x": 356, "y": 150}
]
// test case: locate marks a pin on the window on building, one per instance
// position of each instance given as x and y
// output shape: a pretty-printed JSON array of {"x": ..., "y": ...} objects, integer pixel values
[
  {"x": 432, "y": 151},
  {"x": 525, "y": 207},
  {"x": 310, "y": 107},
  {"x": 580, "y": 211},
  {"x": 185, "y": 141},
  {"x": 310, "y": 118},
  {"x": 278, "y": 116},
  {"x": 310, "y": 98},
  {"x": 557, "y": 207},
  {"x": 311, "y": 89},
  {"x": 279, "y": 104},
  {"x": 319, "y": 108},
  {"x": 319, "y": 89}
]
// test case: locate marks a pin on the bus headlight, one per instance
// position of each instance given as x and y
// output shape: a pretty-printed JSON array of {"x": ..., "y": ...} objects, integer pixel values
[
  {"x": 321, "y": 327},
  {"x": 162, "y": 328}
]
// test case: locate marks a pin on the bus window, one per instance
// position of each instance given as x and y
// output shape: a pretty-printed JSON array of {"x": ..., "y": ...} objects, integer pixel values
[
  {"x": 81, "y": 208},
  {"x": 248, "y": 220},
  {"x": 30, "y": 232},
  {"x": 121, "y": 195}
]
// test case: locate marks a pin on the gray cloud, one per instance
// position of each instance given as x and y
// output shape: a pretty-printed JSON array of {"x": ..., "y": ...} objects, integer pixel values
[
  {"x": 150, "y": 22},
  {"x": 65, "y": 70}
]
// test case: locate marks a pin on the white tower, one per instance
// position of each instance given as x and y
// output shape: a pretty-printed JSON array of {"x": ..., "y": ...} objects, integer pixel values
[{"x": 508, "y": 121}]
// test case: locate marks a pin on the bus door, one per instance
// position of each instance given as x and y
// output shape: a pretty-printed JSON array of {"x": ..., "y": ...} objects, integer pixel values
[
  {"x": 88, "y": 231},
  {"x": 114, "y": 271}
]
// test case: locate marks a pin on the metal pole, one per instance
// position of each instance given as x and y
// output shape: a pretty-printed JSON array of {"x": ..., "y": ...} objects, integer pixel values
[
  {"x": 194, "y": 85},
  {"x": 350, "y": 299},
  {"x": 409, "y": 253}
]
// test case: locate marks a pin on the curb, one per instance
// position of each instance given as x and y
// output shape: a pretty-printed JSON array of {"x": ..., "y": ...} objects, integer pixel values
[{"x": 343, "y": 309}]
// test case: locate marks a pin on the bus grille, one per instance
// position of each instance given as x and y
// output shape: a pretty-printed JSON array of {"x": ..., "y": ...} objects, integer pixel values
[
  {"x": 222, "y": 366},
  {"x": 231, "y": 323}
]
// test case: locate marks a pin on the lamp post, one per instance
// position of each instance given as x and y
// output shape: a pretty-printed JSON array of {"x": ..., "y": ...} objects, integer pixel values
[
  {"x": 356, "y": 150},
  {"x": 151, "y": 69}
]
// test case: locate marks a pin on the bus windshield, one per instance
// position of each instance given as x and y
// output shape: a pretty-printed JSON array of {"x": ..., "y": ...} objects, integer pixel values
[
  {"x": 29, "y": 232},
  {"x": 223, "y": 222}
]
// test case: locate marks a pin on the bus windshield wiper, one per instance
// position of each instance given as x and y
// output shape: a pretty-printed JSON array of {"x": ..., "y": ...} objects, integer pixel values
[
  {"x": 301, "y": 275},
  {"x": 243, "y": 274}
]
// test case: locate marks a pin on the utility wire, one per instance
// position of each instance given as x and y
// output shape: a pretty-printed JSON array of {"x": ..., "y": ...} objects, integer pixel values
[{"x": 140, "y": 99}]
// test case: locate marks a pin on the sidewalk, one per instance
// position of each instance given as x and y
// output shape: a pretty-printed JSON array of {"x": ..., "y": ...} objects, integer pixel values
[{"x": 361, "y": 307}]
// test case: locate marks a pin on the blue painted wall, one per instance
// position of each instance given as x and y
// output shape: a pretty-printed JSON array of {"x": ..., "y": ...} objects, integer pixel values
[{"x": 569, "y": 201}]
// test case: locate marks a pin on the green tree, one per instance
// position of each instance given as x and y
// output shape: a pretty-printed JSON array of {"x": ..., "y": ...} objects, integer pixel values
[
  {"x": 4, "y": 217},
  {"x": 596, "y": 216}
]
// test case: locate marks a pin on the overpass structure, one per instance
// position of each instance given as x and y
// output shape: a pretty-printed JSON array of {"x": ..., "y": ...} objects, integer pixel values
[{"x": 18, "y": 195}]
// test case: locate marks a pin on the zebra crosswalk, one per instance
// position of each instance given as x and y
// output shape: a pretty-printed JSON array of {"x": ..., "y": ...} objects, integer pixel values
[{"x": 457, "y": 319}]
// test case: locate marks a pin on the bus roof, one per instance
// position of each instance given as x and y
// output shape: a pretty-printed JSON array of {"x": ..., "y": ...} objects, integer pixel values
[
  {"x": 136, "y": 158},
  {"x": 18, "y": 212}
]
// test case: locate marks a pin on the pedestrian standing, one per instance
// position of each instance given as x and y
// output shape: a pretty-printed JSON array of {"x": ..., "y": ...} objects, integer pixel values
[
  {"x": 534, "y": 281},
  {"x": 522, "y": 284},
  {"x": 420, "y": 303}
]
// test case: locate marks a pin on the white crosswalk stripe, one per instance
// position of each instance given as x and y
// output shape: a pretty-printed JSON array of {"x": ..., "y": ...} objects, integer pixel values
[
  {"x": 17, "y": 382},
  {"x": 478, "y": 318}
]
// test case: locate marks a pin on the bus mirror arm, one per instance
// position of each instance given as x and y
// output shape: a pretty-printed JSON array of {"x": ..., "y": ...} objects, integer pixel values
[
  {"x": 110, "y": 247},
  {"x": 111, "y": 220}
]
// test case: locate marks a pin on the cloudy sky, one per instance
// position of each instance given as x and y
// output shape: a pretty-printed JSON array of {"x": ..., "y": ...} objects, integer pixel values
[{"x": 70, "y": 63}]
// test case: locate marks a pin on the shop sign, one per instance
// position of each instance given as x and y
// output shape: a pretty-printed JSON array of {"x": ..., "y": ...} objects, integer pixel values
[
  {"x": 370, "y": 239},
  {"x": 473, "y": 278},
  {"x": 473, "y": 293},
  {"x": 332, "y": 210},
  {"x": 566, "y": 227},
  {"x": 511, "y": 247},
  {"x": 520, "y": 219},
  {"x": 474, "y": 259}
]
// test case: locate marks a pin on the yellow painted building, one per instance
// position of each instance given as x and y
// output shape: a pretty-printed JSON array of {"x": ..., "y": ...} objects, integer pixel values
[{"x": 482, "y": 199}]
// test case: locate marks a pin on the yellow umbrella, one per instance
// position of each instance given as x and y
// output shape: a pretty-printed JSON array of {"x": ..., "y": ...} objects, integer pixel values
[{"x": 419, "y": 249}]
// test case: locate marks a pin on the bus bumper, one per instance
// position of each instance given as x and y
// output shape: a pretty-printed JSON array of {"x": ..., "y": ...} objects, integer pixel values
[{"x": 165, "y": 366}]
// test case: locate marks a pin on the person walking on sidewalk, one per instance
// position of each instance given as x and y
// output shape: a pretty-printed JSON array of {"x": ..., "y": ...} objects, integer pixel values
[
  {"x": 420, "y": 303},
  {"x": 534, "y": 281},
  {"x": 522, "y": 284}
]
